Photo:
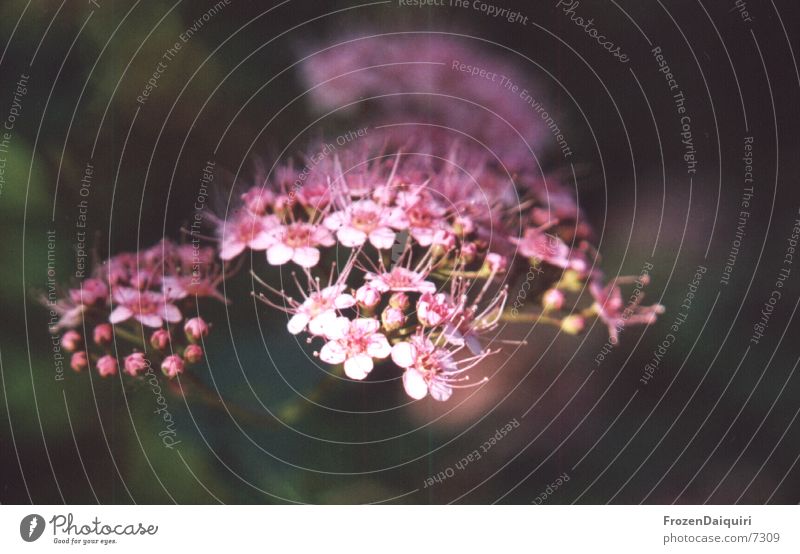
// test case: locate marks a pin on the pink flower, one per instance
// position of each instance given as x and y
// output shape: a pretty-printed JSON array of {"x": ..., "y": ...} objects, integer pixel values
[
  {"x": 149, "y": 308},
  {"x": 365, "y": 219},
  {"x": 78, "y": 362},
  {"x": 429, "y": 368},
  {"x": 195, "y": 329},
  {"x": 246, "y": 230},
  {"x": 172, "y": 366},
  {"x": 399, "y": 279},
  {"x": 258, "y": 199},
  {"x": 434, "y": 309},
  {"x": 201, "y": 286},
  {"x": 193, "y": 353},
  {"x": 71, "y": 341},
  {"x": 91, "y": 292},
  {"x": 135, "y": 364},
  {"x": 318, "y": 310},
  {"x": 107, "y": 366},
  {"x": 468, "y": 322},
  {"x": 355, "y": 343},
  {"x": 314, "y": 194},
  {"x": 103, "y": 334},
  {"x": 426, "y": 218},
  {"x": 549, "y": 249},
  {"x": 612, "y": 311},
  {"x": 297, "y": 242},
  {"x": 71, "y": 314}
]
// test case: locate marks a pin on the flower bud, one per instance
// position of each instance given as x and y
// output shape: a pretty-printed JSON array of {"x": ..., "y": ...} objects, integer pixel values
[
  {"x": 552, "y": 299},
  {"x": 193, "y": 353},
  {"x": 172, "y": 366},
  {"x": 468, "y": 252},
  {"x": 571, "y": 281},
  {"x": 103, "y": 334},
  {"x": 159, "y": 339},
  {"x": 135, "y": 363},
  {"x": 196, "y": 329},
  {"x": 393, "y": 318},
  {"x": 71, "y": 341},
  {"x": 399, "y": 300},
  {"x": 78, "y": 361},
  {"x": 496, "y": 263},
  {"x": 573, "y": 324},
  {"x": 367, "y": 296},
  {"x": 107, "y": 366}
]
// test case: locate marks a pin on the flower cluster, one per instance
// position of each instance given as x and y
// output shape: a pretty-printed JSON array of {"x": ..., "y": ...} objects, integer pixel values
[
  {"x": 134, "y": 311},
  {"x": 436, "y": 85},
  {"x": 409, "y": 258},
  {"x": 405, "y": 248}
]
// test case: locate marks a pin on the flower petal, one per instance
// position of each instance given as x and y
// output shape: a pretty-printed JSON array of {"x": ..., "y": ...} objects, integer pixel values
[
  {"x": 231, "y": 249},
  {"x": 297, "y": 323},
  {"x": 261, "y": 241},
  {"x": 343, "y": 301},
  {"x": 378, "y": 346},
  {"x": 120, "y": 314},
  {"x": 351, "y": 237},
  {"x": 440, "y": 390},
  {"x": 382, "y": 238},
  {"x": 150, "y": 320},
  {"x": 415, "y": 384},
  {"x": 366, "y": 325},
  {"x": 358, "y": 367},
  {"x": 326, "y": 321},
  {"x": 337, "y": 328},
  {"x": 171, "y": 313},
  {"x": 306, "y": 256},
  {"x": 279, "y": 254},
  {"x": 333, "y": 352},
  {"x": 404, "y": 354}
]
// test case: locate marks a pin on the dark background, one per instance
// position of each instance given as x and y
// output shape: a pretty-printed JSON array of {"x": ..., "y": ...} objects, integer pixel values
[{"x": 715, "y": 424}]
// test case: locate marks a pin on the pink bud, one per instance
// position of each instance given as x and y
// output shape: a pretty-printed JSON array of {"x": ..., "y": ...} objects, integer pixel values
[
  {"x": 573, "y": 324},
  {"x": 399, "y": 300},
  {"x": 71, "y": 341},
  {"x": 468, "y": 251},
  {"x": 172, "y": 366},
  {"x": 135, "y": 363},
  {"x": 368, "y": 296},
  {"x": 393, "y": 318},
  {"x": 159, "y": 339},
  {"x": 103, "y": 334},
  {"x": 195, "y": 329},
  {"x": 553, "y": 299},
  {"x": 496, "y": 262},
  {"x": 78, "y": 362},
  {"x": 193, "y": 353},
  {"x": 106, "y": 366}
]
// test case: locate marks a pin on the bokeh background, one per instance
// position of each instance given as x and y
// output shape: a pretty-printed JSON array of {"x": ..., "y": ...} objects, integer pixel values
[{"x": 717, "y": 422}]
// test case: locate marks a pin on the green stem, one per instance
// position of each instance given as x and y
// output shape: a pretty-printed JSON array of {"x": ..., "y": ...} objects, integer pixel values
[{"x": 530, "y": 318}]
